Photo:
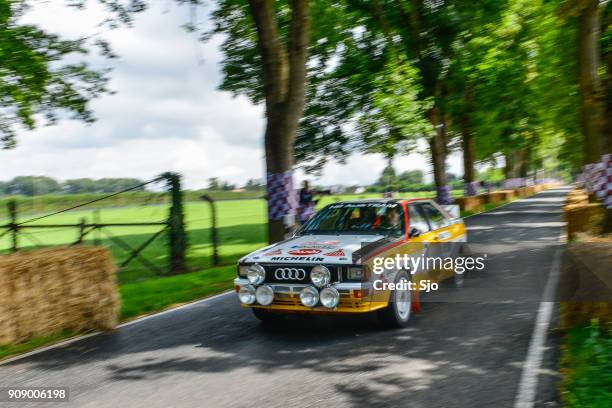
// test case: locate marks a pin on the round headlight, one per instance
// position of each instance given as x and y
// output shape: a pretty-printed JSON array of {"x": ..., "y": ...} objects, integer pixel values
[
  {"x": 320, "y": 276},
  {"x": 330, "y": 297},
  {"x": 246, "y": 294},
  {"x": 256, "y": 274},
  {"x": 264, "y": 295},
  {"x": 309, "y": 296}
]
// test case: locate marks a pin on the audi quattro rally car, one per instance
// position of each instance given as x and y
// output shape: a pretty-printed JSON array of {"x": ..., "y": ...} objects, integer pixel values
[{"x": 326, "y": 267}]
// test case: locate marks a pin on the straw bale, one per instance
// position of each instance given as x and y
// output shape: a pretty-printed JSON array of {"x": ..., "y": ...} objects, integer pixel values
[
  {"x": 470, "y": 203},
  {"x": 52, "y": 290}
]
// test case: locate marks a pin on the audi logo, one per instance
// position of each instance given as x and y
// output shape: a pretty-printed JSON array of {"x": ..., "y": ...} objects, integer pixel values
[{"x": 290, "y": 274}]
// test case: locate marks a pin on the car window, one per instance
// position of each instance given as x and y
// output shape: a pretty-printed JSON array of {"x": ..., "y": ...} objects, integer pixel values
[
  {"x": 368, "y": 217},
  {"x": 434, "y": 216},
  {"x": 417, "y": 219}
]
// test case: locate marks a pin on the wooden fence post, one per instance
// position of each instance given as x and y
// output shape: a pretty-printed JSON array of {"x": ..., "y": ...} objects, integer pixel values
[
  {"x": 213, "y": 231},
  {"x": 12, "y": 210},
  {"x": 176, "y": 224},
  {"x": 81, "y": 231},
  {"x": 96, "y": 221}
]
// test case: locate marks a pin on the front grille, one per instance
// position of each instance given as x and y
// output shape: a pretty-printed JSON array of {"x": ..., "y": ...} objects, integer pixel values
[{"x": 293, "y": 273}]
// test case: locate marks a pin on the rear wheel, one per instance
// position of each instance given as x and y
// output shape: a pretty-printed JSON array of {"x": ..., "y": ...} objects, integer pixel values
[{"x": 397, "y": 313}]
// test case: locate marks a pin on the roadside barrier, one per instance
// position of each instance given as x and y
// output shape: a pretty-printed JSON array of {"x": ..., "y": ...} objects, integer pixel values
[
  {"x": 581, "y": 215},
  {"x": 477, "y": 203},
  {"x": 173, "y": 228}
]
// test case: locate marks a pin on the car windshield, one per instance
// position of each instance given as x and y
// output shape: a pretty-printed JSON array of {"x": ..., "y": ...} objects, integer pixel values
[{"x": 362, "y": 218}]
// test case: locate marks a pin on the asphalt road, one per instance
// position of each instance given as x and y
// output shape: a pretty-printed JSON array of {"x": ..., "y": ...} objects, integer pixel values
[{"x": 215, "y": 354}]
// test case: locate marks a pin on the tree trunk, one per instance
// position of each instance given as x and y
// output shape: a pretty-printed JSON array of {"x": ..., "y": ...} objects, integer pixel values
[
  {"x": 438, "y": 157},
  {"x": 509, "y": 167},
  {"x": 467, "y": 142},
  {"x": 524, "y": 155},
  {"x": 284, "y": 77},
  {"x": 592, "y": 116},
  {"x": 607, "y": 227}
]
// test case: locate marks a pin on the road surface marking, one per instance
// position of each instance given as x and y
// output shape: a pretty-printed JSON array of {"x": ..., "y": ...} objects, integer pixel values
[
  {"x": 528, "y": 385},
  {"x": 129, "y": 323}
]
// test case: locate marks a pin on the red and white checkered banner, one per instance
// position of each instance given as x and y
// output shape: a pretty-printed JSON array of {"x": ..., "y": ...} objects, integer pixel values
[
  {"x": 604, "y": 188},
  {"x": 597, "y": 179},
  {"x": 282, "y": 199}
]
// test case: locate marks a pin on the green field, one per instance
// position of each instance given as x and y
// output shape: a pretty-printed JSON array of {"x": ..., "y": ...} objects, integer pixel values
[{"x": 241, "y": 228}]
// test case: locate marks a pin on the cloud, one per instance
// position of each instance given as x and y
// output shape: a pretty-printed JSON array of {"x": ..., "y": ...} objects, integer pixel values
[{"x": 166, "y": 113}]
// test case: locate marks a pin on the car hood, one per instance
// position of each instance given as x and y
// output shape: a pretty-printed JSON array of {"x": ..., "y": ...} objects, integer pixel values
[{"x": 334, "y": 249}]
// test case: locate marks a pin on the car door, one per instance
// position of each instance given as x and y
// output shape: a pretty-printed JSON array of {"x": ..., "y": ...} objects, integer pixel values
[
  {"x": 439, "y": 229},
  {"x": 420, "y": 231}
]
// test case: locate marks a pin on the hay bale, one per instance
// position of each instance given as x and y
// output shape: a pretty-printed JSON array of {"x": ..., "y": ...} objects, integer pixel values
[
  {"x": 583, "y": 217},
  {"x": 507, "y": 195},
  {"x": 585, "y": 289},
  {"x": 51, "y": 290},
  {"x": 470, "y": 203},
  {"x": 494, "y": 197},
  {"x": 521, "y": 192}
]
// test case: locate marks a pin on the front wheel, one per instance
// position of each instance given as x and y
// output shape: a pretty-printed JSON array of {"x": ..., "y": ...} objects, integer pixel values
[
  {"x": 266, "y": 316},
  {"x": 397, "y": 313}
]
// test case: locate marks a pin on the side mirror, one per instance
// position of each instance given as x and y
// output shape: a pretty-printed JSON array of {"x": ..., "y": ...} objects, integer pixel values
[{"x": 414, "y": 232}]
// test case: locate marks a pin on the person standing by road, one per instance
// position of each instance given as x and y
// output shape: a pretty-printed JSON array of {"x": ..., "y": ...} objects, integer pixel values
[{"x": 307, "y": 202}]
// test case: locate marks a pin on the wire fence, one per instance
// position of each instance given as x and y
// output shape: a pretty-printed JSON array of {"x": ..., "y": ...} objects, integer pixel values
[{"x": 139, "y": 246}]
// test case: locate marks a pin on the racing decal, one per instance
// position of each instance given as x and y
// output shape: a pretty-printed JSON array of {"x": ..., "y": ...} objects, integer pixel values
[
  {"x": 339, "y": 252},
  {"x": 365, "y": 205},
  {"x": 317, "y": 245},
  {"x": 369, "y": 250},
  {"x": 273, "y": 253},
  {"x": 297, "y": 258},
  {"x": 304, "y": 251}
]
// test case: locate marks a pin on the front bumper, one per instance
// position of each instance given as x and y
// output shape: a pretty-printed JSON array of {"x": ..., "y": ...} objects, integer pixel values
[{"x": 355, "y": 297}]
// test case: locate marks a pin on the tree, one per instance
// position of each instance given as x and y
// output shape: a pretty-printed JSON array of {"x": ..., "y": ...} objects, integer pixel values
[
  {"x": 213, "y": 184},
  {"x": 35, "y": 77},
  {"x": 388, "y": 178},
  {"x": 78, "y": 186},
  {"x": 592, "y": 108},
  {"x": 266, "y": 50},
  {"x": 33, "y": 185},
  {"x": 284, "y": 78},
  {"x": 412, "y": 177}
]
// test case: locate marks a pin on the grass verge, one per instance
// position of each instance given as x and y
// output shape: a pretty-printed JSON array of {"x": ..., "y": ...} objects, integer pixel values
[
  {"x": 19, "y": 348},
  {"x": 160, "y": 293},
  {"x": 587, "y": 367}
]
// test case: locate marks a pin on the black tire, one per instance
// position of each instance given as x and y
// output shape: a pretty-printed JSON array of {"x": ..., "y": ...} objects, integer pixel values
[
  {"x": 391, "y": 316},
  {"x": 266, "y": 316}
]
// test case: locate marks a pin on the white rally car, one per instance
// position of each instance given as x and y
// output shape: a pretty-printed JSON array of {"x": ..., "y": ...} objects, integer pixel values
[{"x": 326, "y": 267}]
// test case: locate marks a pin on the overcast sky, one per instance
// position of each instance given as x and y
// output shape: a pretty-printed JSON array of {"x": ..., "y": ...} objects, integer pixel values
[{"x": 166, "y": 113}]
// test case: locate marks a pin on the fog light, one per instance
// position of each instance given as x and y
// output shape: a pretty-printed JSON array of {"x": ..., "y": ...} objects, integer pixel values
[
  {"x": 330, "y": 297},
  {"x": 247, "y": 294},
  {"x": 320, "y": 276},
  {"x": 264, "y": 295},
  {"x": 309, "y": 296},
  {"x": 256, "y": 274}
]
